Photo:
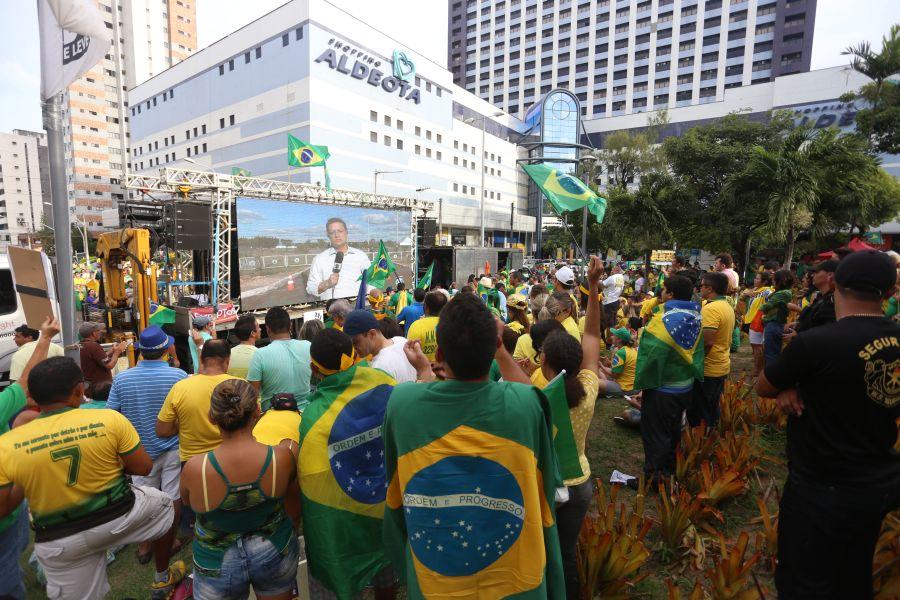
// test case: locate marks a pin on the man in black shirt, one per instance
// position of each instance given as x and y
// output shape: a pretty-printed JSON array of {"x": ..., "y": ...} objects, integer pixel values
[
  {"x": 821, "y": 311},
  {"x": 841, "y": 385}
]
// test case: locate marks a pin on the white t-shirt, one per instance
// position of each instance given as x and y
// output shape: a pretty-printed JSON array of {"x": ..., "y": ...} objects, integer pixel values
[
  {"x": 355, "y": 262},
  {"x": 392, "y": 360},
  {"x": 639, "y": 284},
  {"x": 734, "y": 281},
  {"x": 612, "y": 288}
]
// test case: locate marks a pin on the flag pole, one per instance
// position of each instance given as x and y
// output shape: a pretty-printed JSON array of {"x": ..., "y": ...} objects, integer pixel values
[{"x": 62, "y": 226}]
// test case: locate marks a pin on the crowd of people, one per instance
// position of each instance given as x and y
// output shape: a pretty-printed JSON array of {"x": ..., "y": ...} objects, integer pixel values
[{"x": 411, "y": 440}]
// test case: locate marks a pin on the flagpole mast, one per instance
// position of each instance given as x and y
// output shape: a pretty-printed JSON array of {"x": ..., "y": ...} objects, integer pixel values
[{"x": 62, "y": 226}]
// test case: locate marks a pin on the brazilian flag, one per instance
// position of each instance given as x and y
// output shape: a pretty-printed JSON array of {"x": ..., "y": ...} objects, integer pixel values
[
  {"x": 671, "y": 351},
  {"x": 342, "y": 479},
  {"x": 563, "y": 434},
  {"x": 425, "y": 282},
  {"x": 381, "y": 268},
  {"x": 566, "y": 192},
  {"x": 470, "y": 503},
  {"x": 240, "y": 172},
  {"x": 301, "y": 154},
  {"x": 160, "y": 315}
]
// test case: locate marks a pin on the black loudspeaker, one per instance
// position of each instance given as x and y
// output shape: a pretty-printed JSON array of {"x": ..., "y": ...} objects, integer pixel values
[
  {"x": 426, "y": 229},
  {"x": 192, "y": 226}
]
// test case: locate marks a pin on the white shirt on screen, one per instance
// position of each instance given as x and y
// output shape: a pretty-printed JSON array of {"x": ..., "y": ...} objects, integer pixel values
[{"x": 355, "y": 262}]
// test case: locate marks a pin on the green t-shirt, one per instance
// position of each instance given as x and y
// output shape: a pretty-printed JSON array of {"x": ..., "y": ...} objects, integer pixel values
[
  {"x": 471, "y": 475},
  {"x": 282, "y": 367},
  {"x": 775, "y": 309},
  {"x": 12, "y": 401}
]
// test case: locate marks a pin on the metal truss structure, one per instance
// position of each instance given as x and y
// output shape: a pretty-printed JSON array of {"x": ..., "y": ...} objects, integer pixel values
[{"x": 221, "y": 191}]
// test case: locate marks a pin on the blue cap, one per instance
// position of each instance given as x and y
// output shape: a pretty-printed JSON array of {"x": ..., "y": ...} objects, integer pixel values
[
  {"x": 154, "y": 338},
  {"x": 359, "y": 321}
]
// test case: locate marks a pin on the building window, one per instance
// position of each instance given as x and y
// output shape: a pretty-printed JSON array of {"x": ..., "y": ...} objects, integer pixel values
[
  {"x": 373, "y": 116},
  {"x": 221, "y": 72},
  {"x": 259, "y": 52},
  {"x": 231, "y": 119},
  {"x": 285, "y": 40},
  {"x": 373, "y": 137},
  {"x": 204, "y": 146},
  {"x": 231, "y": 65},
  {"x": 298, "y": 33},
  {"x": 418, "y": 149},
  {"x": 222, "y": 123},
  {"x": 428, "y": 152},
  {"x": 439, "y": 138},
  {"x": 418, "y": 130},
  {"x": 387, "y": 120},
  {"x": 187, "y": 134},
  {"x": 246, "y": 57},
  {"x": 387, "y": 141},
  {"x": 437, "y": 155},
  {"x": 399, "y": 144},
  {"x": 188, "y": 151},
  {"x": 203, "y": 129},
  {"x": 455, "y": 187}
]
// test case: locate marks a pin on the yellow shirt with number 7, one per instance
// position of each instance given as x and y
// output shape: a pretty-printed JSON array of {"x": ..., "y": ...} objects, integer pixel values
[{"x": 67, "y": 462}]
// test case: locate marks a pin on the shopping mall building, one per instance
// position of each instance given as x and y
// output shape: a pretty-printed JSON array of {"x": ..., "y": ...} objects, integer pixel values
[{"x": 395, "y": 122}]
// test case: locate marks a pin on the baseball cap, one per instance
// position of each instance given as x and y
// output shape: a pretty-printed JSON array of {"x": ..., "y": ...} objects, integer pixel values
[
  {"x": 88, "y": 328},
  {"x": 202, "y": 321},
  {"x": 621, "y": 333},
  {"x": 565, "y": 275},
  {"x": 517, "y": 301},
  {"x": 486, "y": 282},
  {"x": 867, "y": 271},
  {"x": 829, "y": 266},
  {"x": 154, "y": 338},
  {"x": 359, "y": 321}
]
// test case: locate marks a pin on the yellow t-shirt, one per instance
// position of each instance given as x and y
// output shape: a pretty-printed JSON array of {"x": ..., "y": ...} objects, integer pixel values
[
  {"x": 623, "y": 367},
  {"x": 572, "y": 328},
  {"x": 425, "y": 330},
  {"x": 67, "y": 462},
  {"x": 581, "y": 417},
  {"x": 581, "y": 331},
  {"x": 188, "y": 404},
  {"x": 648, "y": 306},
  {"x": 277, "y": 425},
  {"x": 23, "y": 355},
  {"x": 239, "y": 364},
  {"x": 538, "y": 380},
  {"x": 718, "y": 315},
  {"x": 524, "y": 349},
  {"x": 514, "y": 325}
]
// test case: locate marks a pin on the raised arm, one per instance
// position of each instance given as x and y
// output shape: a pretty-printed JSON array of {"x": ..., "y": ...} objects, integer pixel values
[{"x": 590, "y": 341}]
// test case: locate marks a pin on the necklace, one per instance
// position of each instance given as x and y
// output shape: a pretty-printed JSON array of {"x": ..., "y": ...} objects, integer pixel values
[{"x": 879, "y": 315}]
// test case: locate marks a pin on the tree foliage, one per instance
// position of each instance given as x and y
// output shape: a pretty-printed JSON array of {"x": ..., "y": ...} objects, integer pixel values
[{"x": 879, "y": 121}]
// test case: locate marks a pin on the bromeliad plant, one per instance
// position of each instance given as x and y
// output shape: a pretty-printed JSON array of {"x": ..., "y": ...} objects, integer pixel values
[
  {"x": 677, "y": 509},
  {"x": 730, "y": 577},
  {"x": 611, "y": 547},
  {"x": 717, "y": 485},
  {"x": 765, "y": 412},
  {"x": 734, "y": 405},
  {"x": 767, "y": 539},
  {"x": 886, "y": 568},
  {"x": 697, "y": 444}
]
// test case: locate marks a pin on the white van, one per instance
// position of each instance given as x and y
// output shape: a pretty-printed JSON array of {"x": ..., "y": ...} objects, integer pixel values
[{"x": 11, "y": 314}]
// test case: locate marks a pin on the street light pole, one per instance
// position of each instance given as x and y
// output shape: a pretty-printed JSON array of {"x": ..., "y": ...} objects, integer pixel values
[
  {"x": 375, "y": 174},
  {"x": 483, "y": 193},
  {"x": 586, "y": 161}
]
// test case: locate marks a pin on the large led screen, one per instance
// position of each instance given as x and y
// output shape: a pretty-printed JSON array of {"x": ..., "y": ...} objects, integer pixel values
[{"x": 291, "y": 253}]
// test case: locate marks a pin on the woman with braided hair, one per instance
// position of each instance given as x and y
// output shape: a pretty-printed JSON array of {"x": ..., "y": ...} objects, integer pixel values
[{"x": 243, "y": 535}]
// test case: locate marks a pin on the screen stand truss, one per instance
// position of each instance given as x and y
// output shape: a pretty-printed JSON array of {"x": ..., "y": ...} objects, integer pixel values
[{"x": 221, "y": 190}]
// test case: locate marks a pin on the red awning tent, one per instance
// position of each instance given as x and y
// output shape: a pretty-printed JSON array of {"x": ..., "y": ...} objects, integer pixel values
[{"x": 855, "y": 245}]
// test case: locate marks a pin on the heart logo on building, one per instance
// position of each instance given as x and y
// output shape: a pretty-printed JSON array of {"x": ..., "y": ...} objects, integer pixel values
[{"x": 404, "y": 68}]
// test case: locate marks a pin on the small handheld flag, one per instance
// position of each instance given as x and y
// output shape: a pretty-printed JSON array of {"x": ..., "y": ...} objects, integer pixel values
[
  {"x": 363, "y": 291},
  {"x": 425, "y": 282},
  {"x": 381, "y": 268},
  {"x": 566, "y": 192},
  {"x": 563, "y": 434}
]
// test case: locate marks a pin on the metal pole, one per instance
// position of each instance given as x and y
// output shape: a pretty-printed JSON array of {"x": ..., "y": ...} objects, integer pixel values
[
  {"x": 483, "y": 124},
  {"x": 440, "y": 219},
  {"x": 62, "y": 234},
  {"x": 375, "y": 184},
  {"x": 512, "y": 217}
]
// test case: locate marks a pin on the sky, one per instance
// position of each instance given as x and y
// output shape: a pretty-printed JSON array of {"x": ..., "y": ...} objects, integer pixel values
[{"x": 418, "y": 24}]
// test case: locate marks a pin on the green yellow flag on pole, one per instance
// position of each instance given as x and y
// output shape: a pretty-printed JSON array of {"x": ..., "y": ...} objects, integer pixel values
[
  {"x": 425, "y": 282},
  {"x": 342, "y": 478},
  {"x": 566, "y": 192},
  {"x": 301, "y": 154},
  {"x": 240, "y": 172},
  {"x": 563, "y": 434},
  {"x": 381, "y": 268}
]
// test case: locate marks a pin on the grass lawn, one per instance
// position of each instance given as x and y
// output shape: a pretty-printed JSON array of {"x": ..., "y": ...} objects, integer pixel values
[{"x": 609, "y": 447}]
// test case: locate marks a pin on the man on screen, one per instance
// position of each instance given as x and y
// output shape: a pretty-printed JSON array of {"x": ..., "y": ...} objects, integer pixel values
[{"x": 335, "y": 272}]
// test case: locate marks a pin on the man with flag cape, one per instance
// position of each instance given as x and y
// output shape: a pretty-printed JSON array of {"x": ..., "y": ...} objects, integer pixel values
[
  {"x": 472, "y": 472},
  {"x": 670, "y": 359},
  {"x": 301, "y": 154},
  {"x": 341, "y": 470},
  {"x": 399, "y": 300},
  {"x": 566, "y": 192}
]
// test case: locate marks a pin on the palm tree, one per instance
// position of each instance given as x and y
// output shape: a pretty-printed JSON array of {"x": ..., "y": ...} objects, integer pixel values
[
  {"x": 877, "y": 66},
  {"x": 787, "y": 177},
  {"x": 637, "y": 219}
]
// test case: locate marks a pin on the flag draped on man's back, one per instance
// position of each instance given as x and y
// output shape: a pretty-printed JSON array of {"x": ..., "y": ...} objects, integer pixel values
[
  {"x": 470, "y": 503},
  {"x": 671, "y": 349},
  {"x": 566, "y": 192},
  {"x": 342, "y": 479}
]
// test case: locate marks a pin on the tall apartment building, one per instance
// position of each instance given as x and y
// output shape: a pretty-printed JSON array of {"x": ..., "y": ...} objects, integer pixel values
[
  {"x": 24, "y": 184},
  {"x": 624, "y": 56},
  {"x": 148, "y": 36}
]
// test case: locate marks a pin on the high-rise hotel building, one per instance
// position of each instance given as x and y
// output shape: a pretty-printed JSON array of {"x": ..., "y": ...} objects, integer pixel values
[
  {"x": 624, "y": 56},
  {"x": 148, "y": 37}
]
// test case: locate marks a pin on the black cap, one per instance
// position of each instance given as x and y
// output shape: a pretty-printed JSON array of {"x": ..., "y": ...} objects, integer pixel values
[
  {"x": 829, "y": 265},
  {"x": 867, "y": 271}
]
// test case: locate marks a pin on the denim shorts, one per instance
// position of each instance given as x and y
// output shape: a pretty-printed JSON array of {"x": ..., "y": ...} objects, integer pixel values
[
  {"x": 13, "y": 541},
  {"x": 252, "y": 560}
]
